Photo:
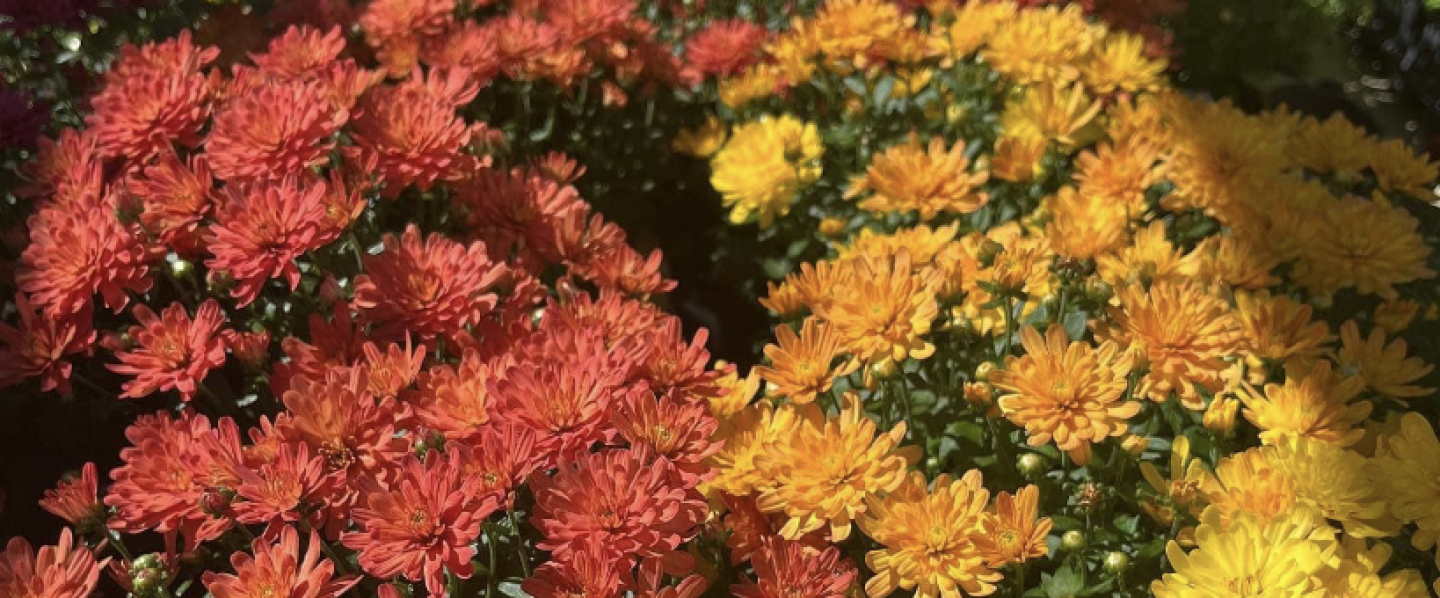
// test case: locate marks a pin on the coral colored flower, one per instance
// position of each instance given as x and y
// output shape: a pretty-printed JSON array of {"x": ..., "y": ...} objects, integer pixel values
[
  {"x": 251, "y": 349},
  {"x": 280, "y": 569},
  {"x": 786, "y": 568},
  {"x": 59, "y": 165},
  {"x": 261, "y": 230},
  {"x": 800, "y": 365},
  {"x": 1012, "y": 534},
  {"x": 413, "y": 136},
  {"x": 65, "y": 570},
  {"x": 518, "y": 207},
  {"x": 910, "y": 177},
  {"x": 38, "y": 348},
  {"x": 76, "y": 500},
  {"x": 392, "y": 371},
  {"x": 1385, "y": 368},
  {"x": 334, "y": 343},
  {"x": 158, "y": 487},
  {"x": 929, "y": 540},
  {"x": 172, "y": 351},
  {"x": 725, "y": 47},
  {"x": 343, "y": 424},
  {"x": 627, "y": 271},
  {"x": 432, "y": 288},
  {"x": 672, "y": 365},
  {"x": 293, "y": 488},
  {"x": 455, "y": 400},
  {"x": 395, "y": 28},
  {"x": 672, "y": 429},
  {"x": 588, "y": 572},
  {"x": 581, "y": 21},
  {"x": 502, "y": 456},
  {"x": 175, "y": 197},
  {"x": 301, "y": 52},
  {"x": 1317, "y": 405},
  {"x": 421, "y": 524},
  {"x": 466, "y": 45},
  {"x": 566, "y": 404},
  {"x": 621, "y": 500},
  {"x": 274, "y": 132},
  {"x": 884, "y": 312},
  {"x": 1249, "y": 557},
  {"x": 154, "y": 97},
  {"x": 79, "y": 249}
]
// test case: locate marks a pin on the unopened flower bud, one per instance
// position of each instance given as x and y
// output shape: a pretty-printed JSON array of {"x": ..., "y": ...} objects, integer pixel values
[
  {"x": 1073, "y": 540},
  {"x": 215, "y": 502},
  {"x": 832, "y": 227},
  {"x": 989, "y": 251},
  {"x": 979, "y": 394},
  {"x": 1031, "y": 465},
  {"x": 884, "y": 370},
  {"x": 1220, "y": 416},
  {"x": 1134, "y": 444},
  {"x": 182, "y": 268},
  {"x": 1116, "y": 562},
  {"x": 982, "y": 371}
]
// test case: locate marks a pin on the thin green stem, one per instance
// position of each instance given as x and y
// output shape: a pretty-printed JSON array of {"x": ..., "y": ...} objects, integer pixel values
[
  {"x": 1020, "y": 579},
  {"x": 1009, "y": 329},
  {"x": 119, "y": 544},
  {"x": 519, "y": 543},
  {"x": 491, "y": 577}
]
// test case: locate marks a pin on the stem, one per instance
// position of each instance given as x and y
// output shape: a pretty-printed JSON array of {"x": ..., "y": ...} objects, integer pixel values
[
  {"x": 119, "y": 544},
  {"x": 490, "y": 542},
  {"x": 1020, "y": 579},
  {"x": 519, "y": 543},
  {"x": 1170, "y": 537},
  {"x": 1009, "y": 329}
]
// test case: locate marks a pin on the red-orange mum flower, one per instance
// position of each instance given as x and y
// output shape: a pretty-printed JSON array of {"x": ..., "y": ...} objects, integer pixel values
[
  {"x": 520, "y": 38},
  {"x": 155, "y": 489},
  {"x": 468, "y": 45},
  {"x": 502, "y": 456},
  {"x": 725, "y": 47},
  {"x": 389, "y": 372},
  {"x": 155, "y": 97},
  {"x": 784, "y": 568},
  {"x": 619, "y": 319},
  {"x": 517, "y": 208},
  {"x": 347, "y": 427},
  {"x": 431, "y": 289},
  {"x": 80, "y": 249},
  {"x": 274, "y": 131},
  {"x": 38, "y": 348},
  {"x": 421, "y": 524},
  {"x": 280, "y": 570},
  {"x": 65, "y": 570},
  {"x": 673, "y": 366},
  {"x": 251, "y": 349},
  {"x": 674, "y": 430},
  {"x": 293, "y": 487},
  {"x": 627, "y": 271},
  {"x": 618, "y": 499},
  {"x": 175, "y": 198},
  {"x": 395, "y": 28},
  {"x": 76, "y": 500},
  {"x": 334, "y": 343},
  {"x": 565, "y": 402},
  {"x": 590, "y": 572},
  {"x": 261, "y": 230},
  {"x": 455, "y": 400},
  {"x": 414, "y": 136},
  {"x": 580, "y": 21},
  {"x": 172, "y": 351},
  {"x": 300, "y": 52},
  {"x": 61, "y": 164}
]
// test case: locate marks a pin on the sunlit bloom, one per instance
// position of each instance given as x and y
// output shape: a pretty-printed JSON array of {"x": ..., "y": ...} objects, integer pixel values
[
  {"x": 975, "y": 23},
  {"x": 40, "y": 346},
  {"x": 156, "y": 489},
  {"x": 1040, "y": 45},
  {"x": 746, "y": 436},
  {"x": 1333, "y": 480},
  {"x": 1149, "y": 258},
  {"x": 430, "y": 288},
  {"x": 1364, "y": 244},
  {"x": 1069, "y": 392},
  {"x": 816, "y": 285},
  {"x": 588, "y": 572},
  {"x": 821, "y": 473},
  {"x": 843, "y": 33},
  {"x": 1050, "y": 112},
  {"x": 785, "y": 568},
  {"x": 154, "y": 97},
  {"x": 520, "y": 207},
  {"x": 800, "y": 365},
  {"x": 921, "y": 242},
  {"x": 566, "y": 404},
  {"x": 280, "y": 569},
  {"x": 725, "y": 47},
  {"x": 260, "y": 231},
  {"x": 1182, "y": 490},
  {"x": 930, "y": 541},
  {"x": 395, "y": 28},
  {"x": 422, "y": 524},
  {"x": 702, "y": 141},
  {"x": 1017, "y": 158},
  {"x": 1085, "y": 226},
  {"x": 671, "y": 365},
  {"x": 1012, "y": 533},
  {"x": 175, "y": 197},
  {"x": 1398, "y": 167},
  {"x": 413, "y": 135},
  {"x": 1355, "y": 573},
  {"x": 1122, "y": 170},
  {"x": 673, "y": 429},
  {"x": 911, "y": 178},
  {"x": 289, "y": 490},
  {"x": 764, "y": 165},
  {"x": 79, "y": 249},
  {"x": 1119, "y": 64},
  {"x": 581, "y": 21},
  {"x": 758, "y": 81},
  {"x": 1278, "y": 328},
  {"x": 884, "y": 312},
  {"x": 614, "y": 497},
  {"x": 273, "y": 132},
  {"x": 172, "y": 351},
  {"x": 76, "y": 501},
  {"x": 1318, "y": 405},
  {"x": 65, "y": 570},
  {"x": 1404, "y": 471},
  {"x": 735, "y": 393},
  {"x": 1251, "y": 558},
  {"x": 1384, "y": 367},
  {"x": 1235, "y": 261},
  {"x": 1182, "y": 333},
  {"x": 342, "y": 424},
  {"x": 502, "y": 456},
  {"x": 455, "y": 400},
  {"x": 335, "y": 343}
]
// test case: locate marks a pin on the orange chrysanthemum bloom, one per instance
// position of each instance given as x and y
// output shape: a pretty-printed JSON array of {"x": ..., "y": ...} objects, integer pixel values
[
  {"x": 800, "y": 365},
  {"x": 520, "y": 207},
  {"x": 1235, "y": 261},
  {"x": 1317, "y": 405},
  {"x": 588, "y": 572},
  {"x": 1149, "y": 258},
  {"x": 335, "y": 343},
  {"x": 391, "y": 372},
  {"x": 1121, "y": 171},
  {"x": 1068, "y": 392},
  {"x": 814, "y": 286},
  {"x": 1368, "y": 245},
  {"x": 928, "y": 539},
  {"x": 671, "y": 429},
  {"x": 292, "y": 488},
  {"x": 629, "y": 272},
  {"x": 176, "y": 197},
  {"x": 343, "y": 424},
  {"x": 422, "y": 524},
  {"x": 566, "y": 404},
  {"x": 885, "y": 312},
  {"x": 172, "y": 351},
  {"x": 76, "y": 500},
  {"x": 466, "y": 45},
  {"x": 158, "y": 487},
  {"x": 912, "y": 178},
  {"x": 673, "y": 366},
  {"x": 79, "y": 249},
  {"x": 155, "y": 96},
  {"x": 785, "y": 568},
  {"x": 821, "y": 473},
  {"x": 260, "y": 231},
  {"x": 1085, "y": 226},
  {"x": 1384, "y": 367},
  {"x": 745, "y": 436},
  {"x": 582, "y": 21},
  {"x": 280, "y": 570},
  {"x": 273, "y": 132},
  {"x": 1012, "y": 534},
  {"x": 725, "y": 47},
  {"x": 432, "y": 288},
  {"x": 396, "y": 28},
  {"x": 623, "y": 501},
  {"x": 65, "y": 570},
  {"x": 1278, "y": 329},
  {"x": 502, "y": 456},
  {"x": 412, "y": 134},
  {"x": 1181, "y": 332},
  {"x": 455, "y": 400},
  {"x": 38, "y": 348}
]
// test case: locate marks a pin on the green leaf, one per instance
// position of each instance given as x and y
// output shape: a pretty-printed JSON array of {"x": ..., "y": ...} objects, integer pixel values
[
  {"x": 512, "y": 588},
  {"x": 1067, "y": 582}
]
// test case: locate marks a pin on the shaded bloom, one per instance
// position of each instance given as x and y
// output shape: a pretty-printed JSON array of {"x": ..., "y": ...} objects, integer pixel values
[
  {"x": 1250, "y": 558},
  {"x": 413, "y": 135},
  {"x": 280, "y": 569},
  {"x": 1085, "y": 226},
  {"x": 160, "y": 487},
  {"x": 396, "y": 28},
  {"x": 76, "y": 500},
  {"x": 1066, "y": 391},
  {"x": 300, "y": 52},
  {"x": 1385, "y": 368},
  {"x": 392, "y": 371},
  {"x": 909, "y": 177},
  {"x": 175, "y": 198},
  {"x": 1368, "y": 245},
  {"x": 64, "y": 570},
  {"x": 1181, "y": 332},
  {"x": 1317, "y": 405},
  {"x": 260, "y": 230},
  {"x": 1012, "y": 534},
  {"x": 274, "y": 131},
  {"x": 154, "y": 97},
  {"x": 725, "y": 47},
  {"x": 1279, "y": 328},
  {"x": 1050, "y": 112},
  {"x": 884, "y": 311},
  {"x": 672, "y": 429},
  {"x": 756, "y": 82},
  {"x": 786, "y": 568},
  {"x": 79, "y": 249},
  {"x": 929, "y": 539},
  {"x": 432, "y": 288},
  {"x": 764, "y": 165},
  {"x": 40, "y": 345},
  {"x": 800, "y": 365},
  {"x": 172, "y": 351},
  {"x": 1403, "y": 471},
  {"x": 292, "y": 488}
]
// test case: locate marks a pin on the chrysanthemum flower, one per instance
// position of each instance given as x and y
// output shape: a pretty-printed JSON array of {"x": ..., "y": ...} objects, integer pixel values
[
  {"x": 395, "y": 28},
  {"x": 1183, "y": 333},
  {"x": 885, "y": 312},
  {"x": 929, "y": 539},
  {"x": 1278, "y": 328},
  {"x": 588, "y": 572},
  {"x": 974, "y": 23},
  {"x": 800, "y": 365},
  {"x": 335, "y": 343},
  {"x": 756, "y": 82},
  {"x": 735, "y": 394},
  {"x": 725, "y": 47},
  {"x": 673, "y": 366},
  {"x": 1238, "y": 262},
  {"x": 629, "y": 272},
  {"x": 300, "y": 52},
  {"x": 1149, "y": 258},
  {"x": 621, "y": 499},
  {"x": 159, "y": 486},
  {"x": 1331, "y": 146},
  {"x": 1403, "y": 472},
  {"x": 343, "y": 424},
  {"x": 1385, "y": 368},
  {"x": 1317, "y": 405},
  {"x": 422, "y": 524},
  {"x": 1355, "y": 573},
  {"x": 565, "y": 404},
  {"x": 388, "y": 373},
  {"x": 909, "y": 177},
  {"x": 786, "y": 568},
  {"x": 1368, "y": 245},
  {"x": 1250, "y": 558},
  {"x": 1218, "y": 155},
  {"x": 279, "y": 569},
  {"x": 413, "y": 136},
  {"x": 1012, "y": 533},
  {"x": 672, "y": 429},
  {"x": 1050, "y": 112},
  {"x": 1333, "y": 480},
  {"x": 517, "y": 207},
  {"x": 1250, "y": 483},
  {"x": 41, "y": 344},
  {"x": 295, "y": 487},
  {"x": 1398, "y": 167},
  {"x": 261, "y": 230},
  {"x": 430, "y": 288},
  {"x": 75, "y": 500},
  {"x": 79, "y": 249},
  {"x": 273, "y": 132},
  {"x": 1122, "y": 170},
  {"x": 466, "y": 45},
  {"x": 1067, "y": 391},
  {"x": 61, "y": 165},
  {"x": 455, "y": 400},
  {"x": 1182, "y": 490},
  {"x": 1040, "y": 45},
  {"x": 746, "y": 436},
  {"x": 155, "y": 97},
  {"x": 764, "y": 165},
  {"x": 65, "y": 570},
  {"x": 822, "y": 472},
  {"x": 172, "y": 351},
  {"x": 1017, "y": 158},
  {"x": 502, "y": 456},
  {"x": 1085, "y": 226},
  {"x": 1119, "y": 64},
  {"x": 175, "y": 197}
]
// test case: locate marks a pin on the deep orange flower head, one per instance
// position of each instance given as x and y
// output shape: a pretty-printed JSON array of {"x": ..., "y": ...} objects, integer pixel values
[
  {"x": 672, "y": 365},
  {"x": 251, "y": 349},
  {"x": 432, "y": 288},
  {"x": 79, "y": 249},
  {"x": 627, "y": 271},
  {"x": 589, "y": 572},
  {"x": 165, "y": 475},
  {"x": 455, "y": 400},
  {"x": 583, "y": 21},
  {"x": 155, "y": 97},
  {"x": 502, "y": 456},
  {"x": 412, "y": 133},
  {"x": 672, "y": 429},
  {"x": 294, "y": 487},
  {"x": 260, "y": 230},
  {"x": 40, "y": 345},
  {"x": 274, "y": 131},
  {"x": 466, "y": 45},
  {"x": 279, "y": 569},
  {"x": 786, "y": 568},
  {"x": 65, "y": 570},
  {"x": 726, "y": 47},
  {"x": 76, "y": 500},
  {"x": 1012, "y": 534},
  {"x": 396, "y": 28},
  {"x": 176, "y": 197},
  {"x": 800, "y": 364},
  {"x": 619, "y": 319},
  {"x": 565, "y": 402},
  {"x": 343, "y": 424},
  {"x": 172, "y": 351}
]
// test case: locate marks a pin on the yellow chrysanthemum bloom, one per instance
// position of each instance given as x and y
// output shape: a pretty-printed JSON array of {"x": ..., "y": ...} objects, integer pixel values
[
  {"x": 929, "y": 539},
  {"x": 735, "y": 393},
  {"x": 1333, "y": 480},
  {"x": 762, "y": 167},
  {"x": 921, "y": 242},
  {"x": 1398, "y": 167},
  {"x": 800, "y": 364},
  {"x": 1385, "y": 368},
  {"x": 1368, "y": 245},
  {"x": 1050, "y": 112},
  {"x": 1182, "y": 490},
  {"x": 975, "y": 22},
  {"x": 1138, "y": 120},
  {"x": 1236, "y": 262},
  {"x": 1250, "y": 558},
  {"x": 1220, "y": 414},
  {"x": 843, "y": 32},
  {"x": 1355, "y": 573},
  {"x": 1248, "y": 483},
  {"x": 1017, "y": 159},
  {"x": 1332, "y": 146},
  {"x": 1278, "y": 329},
  {"x": 1084, "y": 226},
  {"x": 1182, "y": 333},
  {"x": 1150, "y": 258},
  {"x": 822, "y": 473},
  {"x": 1395, "y": 316},
  {"x": 884, "y": 311},
  {"x": 1012, "y": 533},
  {"x": 702, "y": 141},
  {"x": 783, "y": 299},
  {"x": 1285, "y": 216},
  {"x": 1041, "y": 45},
  {"x": 1024, "y": 265},
  {"x": 1121, "y": 171},
  {"x": 1404, "y": 470},
  {"x": 1071, "y": 393},
  {"x": 759, "y": 81},
  {"x": 908, "y": 178},
  {"x": 1218, "y": 157},
  {"x": 747, "y": 436},
  {"x": 1119, "y": 64},
  {"x": 1318, "y": 405}
]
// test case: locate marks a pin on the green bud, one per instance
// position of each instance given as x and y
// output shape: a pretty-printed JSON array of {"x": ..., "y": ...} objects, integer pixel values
[
  {"x": 1073, "y": 540},
  {"x": 1116, "y": 562},
  {"x": 1031, "y": 465}
]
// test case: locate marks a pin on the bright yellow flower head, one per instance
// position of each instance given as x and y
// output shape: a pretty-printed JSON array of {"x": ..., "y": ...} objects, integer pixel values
[
  {"x": 975, "y": 22},
  {"x": 1017, "y": 158},
  {"x": 1368, "y": 245},
  {"x": 1251, "y": 559},
  {"x": 1012, "y": 534},
  {"x": 762, "y": 167},
  {"x": 1398, "y": 167},
  {"x": 1334, "y": 145},
  {"x": 884, "y": 311},
  {"x": 1236, "y": 262},
  {"x": 1385, "y": 368},
  {"x": 1068, "y": 392},
  {"x": 759, "y": 81},
  {"x": 1040, "y": 45},
  {"x": 1278, "y": 328},
  {"x": 908, "y": 178},
  {"x": 1119, "y": 64},
  {"x": 1084, "y": 226},
  {"x": 702, "y": 141},
  {"x": 1333, "y": 480},
  {"x": 1318, "y": 405},
  {"x": 1182, "y": 333},
  {"x": 1121, "y": 171},
  {"x": 735, "y": 394},
  {"x": 1050, "y": 112},
  {"x": 1138, "y": 120},
  {"x": 746, "y": 436},
  {"x": 1248, "y": 483},
  {"x": 800, "y": 364},
  {"x": 1355, "y": 573},
  {"x": 1182, "y": 489},
  {"x": 1149, "y": 258},
  {"x": 1404, "y": 470},
  {"x": 821, "y": 473},
  {"x": 929, "y": 539},
  {"x": 814, "y": 286}
]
